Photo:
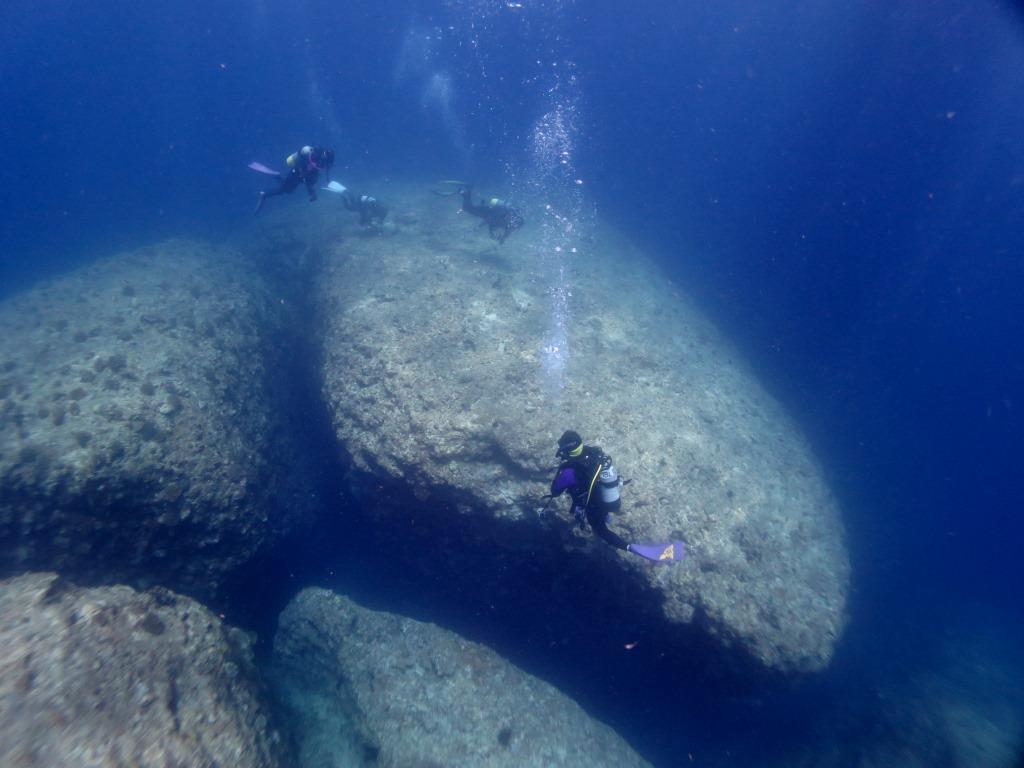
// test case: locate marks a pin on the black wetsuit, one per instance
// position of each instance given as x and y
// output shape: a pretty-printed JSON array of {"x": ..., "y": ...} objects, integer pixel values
[
  {"x": 368, "y": 208},
  {"x": 306, "y": 167},
  {"x": 580, "y": 477},
  {"x": 501, "y": 218}
]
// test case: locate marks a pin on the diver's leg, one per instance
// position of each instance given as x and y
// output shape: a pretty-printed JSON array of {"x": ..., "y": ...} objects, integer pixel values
[
  {"x": 286, "y": 185},
  {"x": 265, "y": 193},
  {"x": 598, "y": 519}
]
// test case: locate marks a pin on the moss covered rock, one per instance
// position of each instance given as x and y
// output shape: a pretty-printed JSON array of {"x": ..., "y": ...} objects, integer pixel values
[
  {"x": 106, "y": 677},
  {"x": 373, "y": 688},
  {"x": 140, "y": 440}
]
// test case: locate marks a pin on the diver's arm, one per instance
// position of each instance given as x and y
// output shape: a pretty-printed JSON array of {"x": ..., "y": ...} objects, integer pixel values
[{"x": 565, "y": 479}]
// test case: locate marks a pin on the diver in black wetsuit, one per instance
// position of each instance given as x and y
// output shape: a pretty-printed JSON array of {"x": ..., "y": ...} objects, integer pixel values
[
  {"x": 592, "y": 482},
  {"x": 501, "y": 218},
  {"x": 368, "y": 208},
  {"x": 304, "y": 167}
]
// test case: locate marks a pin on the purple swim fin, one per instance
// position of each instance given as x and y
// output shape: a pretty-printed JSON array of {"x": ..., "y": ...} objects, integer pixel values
[
  {"x": 261, "y": 168},
  {"x": 670, "y": 552}
]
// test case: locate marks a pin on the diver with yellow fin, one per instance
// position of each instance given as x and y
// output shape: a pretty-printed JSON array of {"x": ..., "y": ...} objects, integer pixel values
[
  {"x": 500, "y": 217},
  {"x": 590, "y": 478}
]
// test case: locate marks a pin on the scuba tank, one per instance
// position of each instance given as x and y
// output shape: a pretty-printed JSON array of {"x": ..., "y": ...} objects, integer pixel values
[{"x": 609, "y": 483}]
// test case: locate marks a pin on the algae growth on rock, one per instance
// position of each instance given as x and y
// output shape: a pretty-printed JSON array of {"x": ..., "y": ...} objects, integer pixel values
[
  {"x": 361, "y": 682},
  {"x": 141, "y": 438},
  {"x": 110, "y": 677}
]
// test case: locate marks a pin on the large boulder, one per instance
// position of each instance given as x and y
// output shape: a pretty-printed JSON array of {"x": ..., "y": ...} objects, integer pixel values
[
  {"x": 109, "y": 677},
  {"x": 371, "y": 688},
  {"x": 445, "y": 387},
  {"x": 140, "y": 440}
]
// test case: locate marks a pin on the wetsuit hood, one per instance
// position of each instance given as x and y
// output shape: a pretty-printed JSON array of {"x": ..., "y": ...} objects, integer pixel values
[{"x": 570, "y": 444}]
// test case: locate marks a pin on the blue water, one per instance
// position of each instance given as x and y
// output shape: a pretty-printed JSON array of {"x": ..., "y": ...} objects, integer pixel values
[{"x": 840, "y": 185}]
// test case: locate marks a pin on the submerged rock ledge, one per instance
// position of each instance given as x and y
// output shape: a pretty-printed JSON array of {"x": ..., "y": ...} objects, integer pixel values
[
  {"x": 366, "y": 687},
  {"x": 433, "y": 372},
  {"x": 141, "y": 437},
  {"x": 107, "y": 677}
]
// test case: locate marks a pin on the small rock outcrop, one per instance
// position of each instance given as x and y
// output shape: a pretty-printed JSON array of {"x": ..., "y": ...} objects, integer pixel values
[
  {"x": 372, "y": 688},
  {"x": 109, "y": 677},
  {"x": 447, "y": 391},
  {"x": 140, "y": 440}
]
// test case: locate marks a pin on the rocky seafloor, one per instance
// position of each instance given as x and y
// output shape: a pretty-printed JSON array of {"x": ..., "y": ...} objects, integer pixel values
[
  {"x": 145, "y": 440},
  {"x": 368, "y": 685}
]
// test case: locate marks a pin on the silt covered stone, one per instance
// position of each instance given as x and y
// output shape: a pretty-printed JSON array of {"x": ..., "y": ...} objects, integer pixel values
[{"x": 141, "y": 435}]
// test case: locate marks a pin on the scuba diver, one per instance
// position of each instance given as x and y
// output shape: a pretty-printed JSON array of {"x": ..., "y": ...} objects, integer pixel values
[
  {"x": 368, "y": 208},
  {"x": 589, "y": 476},
  {"x": 500, "y": 217},
  {"x": 304, "y": 167}
]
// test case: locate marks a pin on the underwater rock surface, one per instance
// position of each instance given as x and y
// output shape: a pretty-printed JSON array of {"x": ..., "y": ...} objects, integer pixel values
[
  {"x": 111, "y": 677},
  {"x": 373, "y": 688},
  {"x": 435, "y": 372},
  {"x": 136, "y": 421}
]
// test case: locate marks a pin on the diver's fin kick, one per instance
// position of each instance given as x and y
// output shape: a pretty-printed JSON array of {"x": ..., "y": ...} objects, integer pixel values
[
  {"x": 454, "y": 192},
  {"x": 334, "y": 186},
  {"x": 261, "y": 168},
  {"x": 669, "y": 552}
]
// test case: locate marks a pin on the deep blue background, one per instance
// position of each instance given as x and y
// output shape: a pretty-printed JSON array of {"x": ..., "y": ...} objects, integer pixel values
[{"x": 840, "y": 184}]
